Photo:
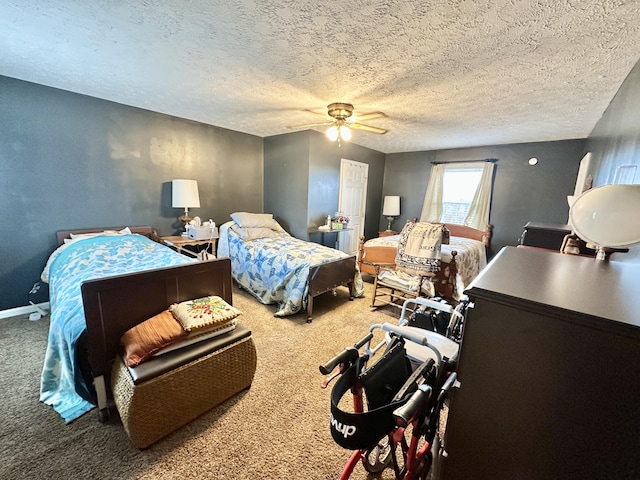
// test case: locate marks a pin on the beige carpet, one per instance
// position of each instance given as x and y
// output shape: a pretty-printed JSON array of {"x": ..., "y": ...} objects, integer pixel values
[{"x": 279, "y": 429}]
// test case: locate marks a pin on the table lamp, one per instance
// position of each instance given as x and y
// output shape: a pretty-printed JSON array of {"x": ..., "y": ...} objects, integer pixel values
[
  {"x": 184, "y": 194},
  {"x": 391, "y": 208}
]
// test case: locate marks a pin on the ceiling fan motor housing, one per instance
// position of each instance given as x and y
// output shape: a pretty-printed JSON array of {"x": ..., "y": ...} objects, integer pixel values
[{"x": 340, "y": 111}]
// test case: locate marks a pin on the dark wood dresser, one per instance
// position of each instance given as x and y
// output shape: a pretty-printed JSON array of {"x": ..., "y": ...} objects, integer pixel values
[
  {"x": 544, "y": 235},
  {"x": 549, "y": 370}
]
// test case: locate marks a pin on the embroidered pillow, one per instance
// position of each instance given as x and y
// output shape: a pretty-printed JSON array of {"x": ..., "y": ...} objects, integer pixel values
[
  {"x": 203, "y": 312},
  {"x": 142, "y": 341}
]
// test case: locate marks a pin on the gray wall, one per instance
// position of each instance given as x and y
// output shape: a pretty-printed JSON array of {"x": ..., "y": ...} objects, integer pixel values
[
  {"x": 406, "y": 175},
  {"x": 615, "y": 140},
  {"x": 286, "y": 180},
  {"x": 71, "y": 161},
  {"x": 302, "y": 180},
  {"x": 325, "y": 160},
  {"x": 521, "y": 193}
]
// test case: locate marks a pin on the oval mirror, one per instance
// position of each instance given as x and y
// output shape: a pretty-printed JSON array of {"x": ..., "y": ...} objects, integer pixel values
[{"x": 608, "y": 216}]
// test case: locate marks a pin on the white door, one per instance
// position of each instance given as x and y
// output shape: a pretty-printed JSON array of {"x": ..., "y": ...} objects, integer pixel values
[{"x": 352, "y": 202}]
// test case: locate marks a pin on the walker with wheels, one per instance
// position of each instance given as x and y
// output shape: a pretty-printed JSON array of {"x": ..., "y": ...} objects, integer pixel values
[{"x": 394, "y": 417}]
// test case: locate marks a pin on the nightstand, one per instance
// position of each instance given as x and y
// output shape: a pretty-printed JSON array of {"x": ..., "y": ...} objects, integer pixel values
[
  {"x": 179, "y": 242},
  {"x": 387, "y": 233}
]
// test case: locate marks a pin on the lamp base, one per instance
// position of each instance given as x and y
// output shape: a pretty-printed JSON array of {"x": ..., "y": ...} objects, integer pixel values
[
  {"x": 186, "y": 219},
  {"x": 185, "y": 216},
  {"x": 389, "y": 220}
]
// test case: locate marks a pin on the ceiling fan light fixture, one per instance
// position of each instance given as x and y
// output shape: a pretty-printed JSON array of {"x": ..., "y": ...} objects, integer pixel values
[
  {"x": 332, "y": 133},
  {"x": 340, "y": 111},
  {"x": 341, "y": 121},
  {"x": 345, "y": 133}
]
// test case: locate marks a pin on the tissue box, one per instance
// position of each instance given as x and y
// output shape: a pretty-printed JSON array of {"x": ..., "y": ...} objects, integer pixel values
[
  {"x": 336, "y": 226},
  {"x": 202, "y": 233}
]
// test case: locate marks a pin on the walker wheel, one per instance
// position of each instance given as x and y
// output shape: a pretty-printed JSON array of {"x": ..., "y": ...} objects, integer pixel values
[{"x": 378, "y": 458}]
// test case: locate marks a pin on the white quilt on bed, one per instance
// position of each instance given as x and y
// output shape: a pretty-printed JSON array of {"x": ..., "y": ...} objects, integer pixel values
[{"x": 471, "y": 255}]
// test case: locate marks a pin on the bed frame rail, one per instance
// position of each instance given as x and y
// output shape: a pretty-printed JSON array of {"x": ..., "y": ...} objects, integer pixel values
[{"x": 327, "y": 277}]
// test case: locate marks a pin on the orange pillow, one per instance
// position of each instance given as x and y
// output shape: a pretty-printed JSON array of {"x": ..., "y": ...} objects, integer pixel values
[{"x": 146, "y": 338}]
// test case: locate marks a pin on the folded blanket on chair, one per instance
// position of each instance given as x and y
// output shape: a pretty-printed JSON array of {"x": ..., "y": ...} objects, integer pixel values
[{"x": 419, "y": 248}]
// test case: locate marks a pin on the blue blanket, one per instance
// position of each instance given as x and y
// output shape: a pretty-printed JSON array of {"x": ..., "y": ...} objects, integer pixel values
[
  {"x": 62, "y": 384},
  {"x": 276, "y": 269}
]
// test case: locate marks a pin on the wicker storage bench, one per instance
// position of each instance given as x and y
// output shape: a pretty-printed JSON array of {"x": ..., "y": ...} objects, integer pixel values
[{"x": 161, "y": 395}]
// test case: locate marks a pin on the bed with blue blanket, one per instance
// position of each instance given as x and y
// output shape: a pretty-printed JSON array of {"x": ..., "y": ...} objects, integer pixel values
[
  {"x": 277, "y": 268},
  {"x": 135, "y": 277}
]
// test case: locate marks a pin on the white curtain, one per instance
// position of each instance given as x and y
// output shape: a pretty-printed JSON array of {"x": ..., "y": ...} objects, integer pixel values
[
  {"x": 478, "y": 215},
  {"x": 432, "y": 206}
]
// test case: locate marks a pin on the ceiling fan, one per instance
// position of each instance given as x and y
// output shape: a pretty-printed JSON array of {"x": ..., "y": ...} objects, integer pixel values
[{"x": 342, "y": 120}]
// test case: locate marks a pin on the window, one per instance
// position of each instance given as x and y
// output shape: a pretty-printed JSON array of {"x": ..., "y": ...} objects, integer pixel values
[
  {"x": 459, "y": 186},
  {"x": 459, "y": 193}
]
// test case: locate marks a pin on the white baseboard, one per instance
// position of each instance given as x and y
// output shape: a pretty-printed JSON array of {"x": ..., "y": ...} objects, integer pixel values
[{"x": 12, "y": 312}]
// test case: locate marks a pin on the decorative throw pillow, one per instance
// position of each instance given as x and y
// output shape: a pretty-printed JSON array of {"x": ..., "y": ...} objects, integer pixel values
[
  {"x": 146, "y": 338},
  {"x": 203, "y": 312}
]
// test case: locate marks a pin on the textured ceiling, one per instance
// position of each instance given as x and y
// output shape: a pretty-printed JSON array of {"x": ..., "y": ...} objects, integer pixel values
[{"x": 446, "y": 73}]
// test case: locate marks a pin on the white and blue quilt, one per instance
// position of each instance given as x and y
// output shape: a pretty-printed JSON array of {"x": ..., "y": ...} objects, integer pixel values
[
  {"x": 275, "y": 269},
  {"x": 62, "y": 384}
]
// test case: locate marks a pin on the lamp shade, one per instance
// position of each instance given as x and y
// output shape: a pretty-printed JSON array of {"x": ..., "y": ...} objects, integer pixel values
[
  {"x": 607, "y": 216},
  {"x": 184, "y": 194},
  {"x": 391, "y": 206}
]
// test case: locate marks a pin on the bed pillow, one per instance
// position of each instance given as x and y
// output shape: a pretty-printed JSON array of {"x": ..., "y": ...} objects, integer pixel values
[
  {"x": 77, "y": 236},
  {"x": 203, "y": 312},
  {"x": 254, "y": 220},
  {"x": 146, "y": 338},
  {"x": 253, "y": 233}
]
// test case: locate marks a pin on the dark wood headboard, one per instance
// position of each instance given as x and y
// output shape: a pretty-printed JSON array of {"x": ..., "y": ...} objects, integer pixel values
[{"x": 113, "y": 305}]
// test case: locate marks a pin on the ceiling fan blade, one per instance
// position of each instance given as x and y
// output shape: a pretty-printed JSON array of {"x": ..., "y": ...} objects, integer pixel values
[
  {"x": 368, "y": 128},
  {"x": 369, "y": 116},
  {"x": 309, "y": 125},
  {"x": 323, "y": 114}
]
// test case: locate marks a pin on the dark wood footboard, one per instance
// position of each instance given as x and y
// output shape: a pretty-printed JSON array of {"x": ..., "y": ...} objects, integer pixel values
[
  {"x": 113, "y": 305},
  {"x": 328, "y": 276}
]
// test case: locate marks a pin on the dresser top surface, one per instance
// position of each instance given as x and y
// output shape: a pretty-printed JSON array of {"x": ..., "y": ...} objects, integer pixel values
[{"x": 604, "y": 289}]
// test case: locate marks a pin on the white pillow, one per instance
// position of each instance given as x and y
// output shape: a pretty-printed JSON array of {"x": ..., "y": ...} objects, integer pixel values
[
  {"x": 255, "y": 220},
  {"x": 253, "y": 233},
  {"x": 124, "y": 231}
]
